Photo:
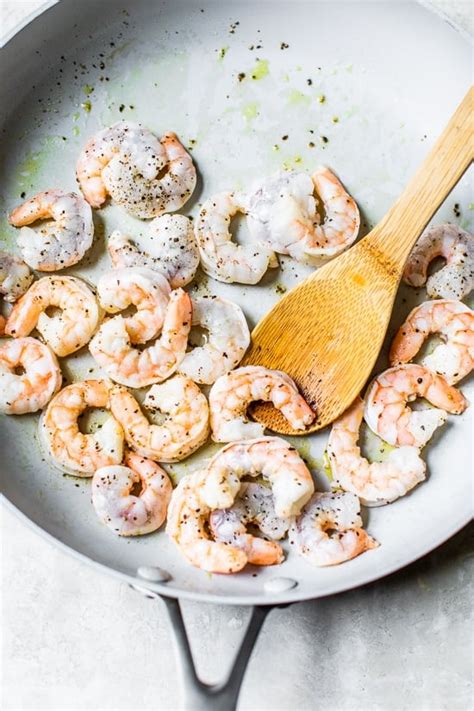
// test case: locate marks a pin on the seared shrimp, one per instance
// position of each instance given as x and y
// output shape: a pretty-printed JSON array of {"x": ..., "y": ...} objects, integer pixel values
[
  {"x": 61, "y": 241},
  {"x": 456, "y": 279},
  {"x": 172, "y": 251},
  {"x": 329, "y": 530},
  {"x": 32, "y": 389},
  {"x": 185, "y": 426},
  {"x": 273, "y": 458},
  {"x": 254, "y": 504},
  {"x": 148, "y": 291},
  {"x": 377, "y": 483},
  {"x": 283, "y": 215},
  {"x": 145, "y": 175},
  {"x": 388, "y": 415},
  {"x": 454, "y": 322},
  {"x": 123, "y": 512},
  {"x": 231, "y": 395},
  {"x": 186, "y": 526},
  {"x": 221, "y": 258},
  {"x": 69, "y": 449},
  {"x": 228, "y": 338},
  {"x": 15, "y": 277},
  {"x": 64, "y": 332},
  {"x": 112, "y": 349}
]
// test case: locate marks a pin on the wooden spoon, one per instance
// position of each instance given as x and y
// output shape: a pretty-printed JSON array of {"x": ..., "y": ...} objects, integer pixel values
[{"x": 327, "y": 332}]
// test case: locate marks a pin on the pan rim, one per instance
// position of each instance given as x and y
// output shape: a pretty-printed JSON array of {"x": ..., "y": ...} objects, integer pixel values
[{"x": 262, "y": 599}]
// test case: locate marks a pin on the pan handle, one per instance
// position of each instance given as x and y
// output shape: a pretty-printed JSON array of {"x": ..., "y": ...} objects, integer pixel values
[{"x": 198, "y": 695}]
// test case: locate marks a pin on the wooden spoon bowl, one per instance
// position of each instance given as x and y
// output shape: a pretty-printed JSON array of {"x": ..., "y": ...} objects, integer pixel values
[{"x": 327, "y": 332}]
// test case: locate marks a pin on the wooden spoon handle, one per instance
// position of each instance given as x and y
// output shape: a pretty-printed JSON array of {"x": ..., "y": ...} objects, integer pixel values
[{"x": 449, "y": 158}]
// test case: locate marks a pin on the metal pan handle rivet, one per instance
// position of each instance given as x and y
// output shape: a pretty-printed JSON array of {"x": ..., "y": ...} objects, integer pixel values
[
  {"x": 153, "y": 574},
  {"x": 276, "y": 585}
]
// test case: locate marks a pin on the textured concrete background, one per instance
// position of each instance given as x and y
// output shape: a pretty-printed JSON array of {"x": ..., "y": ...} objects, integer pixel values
[{"x": 73, "y": 639}]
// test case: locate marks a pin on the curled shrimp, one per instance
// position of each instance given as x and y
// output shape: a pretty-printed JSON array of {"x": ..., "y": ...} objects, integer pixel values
[
  {"x": 273, "y": 458},
  {"x": 112, "y": 348},
  {"x": 221, "y": 258},
  {"x": 454, "y": 322},
  {"x": 32, "y": 389},
  {"x": 228, "y": 338},
  {"x": 124, "y": 513},
  {"x": 65, "y": 332},
  {"x": 15, "y": 277},
  {"x": 456, "y": 279},
  {"x": 283, "y": 215},
  {"x": 375, "y": 483},
  {"x": 148, "y": 291},
  {"x": 231, "y": 395},
  {"x": 187, "y": 526},
  {"x": 69, "y": 449},
  {"x": 172, "y": 249},
  {"x": 145, "y": 175},
  {"x": 184, "y": 428},
  {"x": 254, "y": 504},
  {"x": 329, "y": 530},
  {"x": 65, "y": 235},
  {"x": 388, "y": 415}
]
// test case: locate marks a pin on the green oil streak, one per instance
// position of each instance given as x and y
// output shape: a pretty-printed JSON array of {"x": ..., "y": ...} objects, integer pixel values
[
  {"x": 327, "y": 466},
  {"x": 260, "y": 70},
  {"x": 250, "y": 111},
  {"x": 297, "y": 98},
  {"x": 304, "y": 449}
]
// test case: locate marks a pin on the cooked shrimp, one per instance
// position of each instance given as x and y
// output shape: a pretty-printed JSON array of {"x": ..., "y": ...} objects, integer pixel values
[
  {"x": 145, "y": 175},
  {"x": 377, "y": 483},
  {"x": 283, "y": 215},
  {"x": 112, "y": 349},
  {"x": 64, "y": 332},
  {"x": 273, "y": 458},
  {"x": 35, "y": 386},
  {"x": 254, "y": 504},
  {"x": 388, "y": 415},
  {"x": 221, "y": 258},
  {"x": 454, "y": 322},
  {"x": 148, "y": 291},
  {"x": 121, "y": 511},
  {"x": 184, "y": 428},
  {"x": 329, "y": 530},
  {"x": 61, "y": 241},
  {"x": 231, "y": 394},
  {"x": 71, "y": 450},
  {"x": 186, "y": 526},
  {"x": 172, "y": 251},
  {"x": 228, "y": 338},
  {"x": 15, "y": 277},
  {"x": 456, "y": 279}
]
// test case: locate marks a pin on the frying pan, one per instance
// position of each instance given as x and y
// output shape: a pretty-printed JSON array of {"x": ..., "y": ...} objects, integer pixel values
[{"x": 250, "y": 87}]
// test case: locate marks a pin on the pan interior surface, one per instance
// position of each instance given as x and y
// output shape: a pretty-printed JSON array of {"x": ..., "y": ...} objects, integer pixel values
[{"x": 250, "y": 88}]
